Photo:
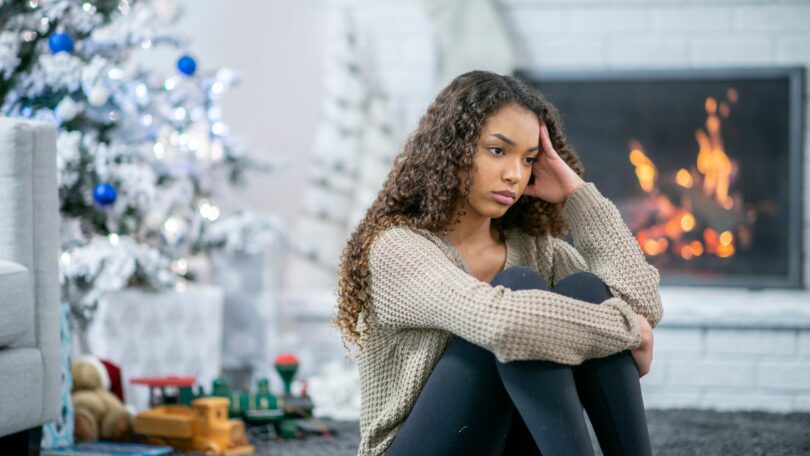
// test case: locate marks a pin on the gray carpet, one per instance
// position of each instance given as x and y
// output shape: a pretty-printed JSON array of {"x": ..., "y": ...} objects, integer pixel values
[{"x": 673, "y": 432}]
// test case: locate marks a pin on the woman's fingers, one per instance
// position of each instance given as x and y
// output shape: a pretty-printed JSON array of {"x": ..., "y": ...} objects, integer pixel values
[
  {"x": 644, "y": 352},
  {"x": 546, "y": 140}
]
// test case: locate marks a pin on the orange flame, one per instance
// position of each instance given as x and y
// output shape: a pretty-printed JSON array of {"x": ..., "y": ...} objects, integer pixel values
[
  {"x": 716, "y": 169},
  {"x": 712, "y": 160},
  {"x": 645, "y": 169}
]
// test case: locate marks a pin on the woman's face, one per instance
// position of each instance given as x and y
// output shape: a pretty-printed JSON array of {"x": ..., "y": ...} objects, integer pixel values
[{"x": 506, "y": 150}]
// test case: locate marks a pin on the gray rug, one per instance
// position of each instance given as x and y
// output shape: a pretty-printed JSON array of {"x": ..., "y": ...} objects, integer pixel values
[{"x": 673, "y": 432}]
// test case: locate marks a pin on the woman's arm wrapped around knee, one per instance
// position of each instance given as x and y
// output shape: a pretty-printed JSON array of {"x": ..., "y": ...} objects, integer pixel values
[
  {"x": 415, "y": 285},
  {"x": 604, "y": 245}
]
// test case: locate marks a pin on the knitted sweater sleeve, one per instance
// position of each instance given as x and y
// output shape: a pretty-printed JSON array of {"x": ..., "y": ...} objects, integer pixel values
[
  {"x": 604, "y": 245},
  {"x": 415, "y": 285}
]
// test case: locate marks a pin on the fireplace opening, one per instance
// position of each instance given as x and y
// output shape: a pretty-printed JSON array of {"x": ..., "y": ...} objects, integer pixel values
[{"x": 704, "y": 165}]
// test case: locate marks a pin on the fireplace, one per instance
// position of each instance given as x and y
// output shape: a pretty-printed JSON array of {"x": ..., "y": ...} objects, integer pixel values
[{"x": 704, "y": 165}]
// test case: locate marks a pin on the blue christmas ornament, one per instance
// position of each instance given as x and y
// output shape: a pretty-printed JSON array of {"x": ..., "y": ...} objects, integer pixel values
[
  {"x": 104, "y": 193},
  {"x": 187, "y": 65},
  {"x": 59, "y": 42}
]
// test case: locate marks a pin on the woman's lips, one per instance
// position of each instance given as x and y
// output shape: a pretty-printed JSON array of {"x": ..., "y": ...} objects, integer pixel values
[{"x": 503, "y": 199}]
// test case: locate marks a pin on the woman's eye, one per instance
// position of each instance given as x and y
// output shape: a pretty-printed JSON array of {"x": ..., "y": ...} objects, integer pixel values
[
  {"x": 531, "y": 159},
  {"x": 496, "y": 148}
]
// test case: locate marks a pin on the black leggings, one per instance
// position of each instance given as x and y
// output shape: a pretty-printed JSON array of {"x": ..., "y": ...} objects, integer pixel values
[{"x": 474, "y": 404}]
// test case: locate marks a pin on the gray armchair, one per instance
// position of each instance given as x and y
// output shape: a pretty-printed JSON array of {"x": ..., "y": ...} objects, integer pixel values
[{"x": 30, "y": 374}]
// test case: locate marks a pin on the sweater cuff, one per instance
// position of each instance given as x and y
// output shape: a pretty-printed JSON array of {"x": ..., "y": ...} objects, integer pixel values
[
  {"x": 630, "y": 316},
  {"x": 576, "y": 206}
]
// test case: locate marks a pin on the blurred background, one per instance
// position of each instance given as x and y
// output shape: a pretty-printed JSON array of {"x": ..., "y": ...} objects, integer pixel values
[{"x": 213, "y": 156}]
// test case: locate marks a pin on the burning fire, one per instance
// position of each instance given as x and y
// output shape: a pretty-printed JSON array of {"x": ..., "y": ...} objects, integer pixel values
[
  {"x": 689, "y": 229},
  {"x": 712, "y": 160}
]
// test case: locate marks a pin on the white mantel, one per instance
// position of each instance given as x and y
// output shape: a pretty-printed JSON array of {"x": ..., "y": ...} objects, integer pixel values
[{"x": 735, "y": 308}]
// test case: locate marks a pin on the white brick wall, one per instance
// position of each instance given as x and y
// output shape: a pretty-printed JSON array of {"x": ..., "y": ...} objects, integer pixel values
[
  {"x": 729, "y": 369},
  {"x": 733, "y": 343},
  {"x": 739, "y": 350}
]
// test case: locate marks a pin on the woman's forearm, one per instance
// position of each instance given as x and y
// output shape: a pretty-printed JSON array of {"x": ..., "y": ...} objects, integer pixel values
[{"x": 604, "y": 245}]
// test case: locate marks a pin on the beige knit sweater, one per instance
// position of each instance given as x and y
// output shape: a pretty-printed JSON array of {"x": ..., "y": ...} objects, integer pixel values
[{"x": 422, "y": 293}]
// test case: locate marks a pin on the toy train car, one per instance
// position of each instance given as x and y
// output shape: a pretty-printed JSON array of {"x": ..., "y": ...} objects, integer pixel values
[
  {"x": 261, "y": 407},
  {"x": 202, "y": 427}
]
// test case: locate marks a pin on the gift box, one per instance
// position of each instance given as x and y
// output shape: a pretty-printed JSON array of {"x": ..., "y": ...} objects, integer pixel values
[{"x": 157, "y": 333}]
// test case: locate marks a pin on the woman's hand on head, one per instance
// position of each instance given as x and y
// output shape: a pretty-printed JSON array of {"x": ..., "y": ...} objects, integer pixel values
[
  {"x": 554, "y": 180},
  {"x": 643, "y": 353}
]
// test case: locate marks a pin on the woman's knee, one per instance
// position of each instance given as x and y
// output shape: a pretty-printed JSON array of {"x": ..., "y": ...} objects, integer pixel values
[
  {"x": 473, "y": 363},
  {"x": 464, "y": 349},
  {"x": 585, "y": 286},
  {"x": 520, "y": 278}
]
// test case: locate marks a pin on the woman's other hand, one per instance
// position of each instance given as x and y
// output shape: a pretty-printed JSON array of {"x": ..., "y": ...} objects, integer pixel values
[
  {"x": 554, "y": 180},
  {"x": 644, "y": 352}
]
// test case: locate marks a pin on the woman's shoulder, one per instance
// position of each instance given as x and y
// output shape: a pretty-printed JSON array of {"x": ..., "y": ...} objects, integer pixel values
[
  {"x": 405, "y": 232},
  {"x": 410, "y": 249},
  {"x": 404, "y": 237}
]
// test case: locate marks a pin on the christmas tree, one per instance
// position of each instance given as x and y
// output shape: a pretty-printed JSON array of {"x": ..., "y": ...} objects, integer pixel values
[
  {"x": 354, "y": 148},
  {"x": 141, "y": 155}
]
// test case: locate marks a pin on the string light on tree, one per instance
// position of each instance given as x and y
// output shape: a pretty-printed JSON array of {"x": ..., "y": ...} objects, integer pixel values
[
  {"x": 98, "y": 96},
  {"x": 208, "y": 210},
  {"x": 67, "y": 109}
]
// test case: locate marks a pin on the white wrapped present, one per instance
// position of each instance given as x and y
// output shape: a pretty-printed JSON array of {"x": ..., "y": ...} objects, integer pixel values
[{"x": 171, "y": 332}]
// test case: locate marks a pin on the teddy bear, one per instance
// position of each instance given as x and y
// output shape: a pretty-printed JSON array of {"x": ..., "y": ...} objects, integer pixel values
[{"x": 98, "y": 413}]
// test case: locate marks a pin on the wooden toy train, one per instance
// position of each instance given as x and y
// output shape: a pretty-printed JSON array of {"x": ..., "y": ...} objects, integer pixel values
[
  {"x": 202, "y": 427},
  {"x": 190, "y": 420}
]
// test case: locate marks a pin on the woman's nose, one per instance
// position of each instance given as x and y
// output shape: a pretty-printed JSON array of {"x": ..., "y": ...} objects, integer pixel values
[{"x": 513, "y": 172}]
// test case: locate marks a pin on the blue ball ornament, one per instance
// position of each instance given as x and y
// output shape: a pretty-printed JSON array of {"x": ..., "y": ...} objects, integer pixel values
[
  {"x": 104, "y": 193},
  {"x": 60, "y": 42},
  {"x": 187, "y": 65}
]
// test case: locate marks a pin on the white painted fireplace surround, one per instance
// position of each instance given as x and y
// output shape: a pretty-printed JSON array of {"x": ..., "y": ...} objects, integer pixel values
[{"x": 724, "y": 349}]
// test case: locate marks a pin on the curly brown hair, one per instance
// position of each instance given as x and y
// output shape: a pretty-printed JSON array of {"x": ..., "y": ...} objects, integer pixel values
[{"x": 432, "y": 176}]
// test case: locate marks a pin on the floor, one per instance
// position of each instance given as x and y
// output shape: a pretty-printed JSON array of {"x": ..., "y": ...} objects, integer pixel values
[{"x": 673, "y": 432}]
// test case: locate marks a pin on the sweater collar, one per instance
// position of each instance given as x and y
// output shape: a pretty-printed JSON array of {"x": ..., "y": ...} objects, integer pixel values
[{"x": 512, "y": 250}]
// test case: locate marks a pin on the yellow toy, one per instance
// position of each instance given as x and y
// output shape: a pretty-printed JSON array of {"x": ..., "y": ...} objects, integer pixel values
[
  {"x": 99, "y": 414},
  {"x": 202, "y": 427}
]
